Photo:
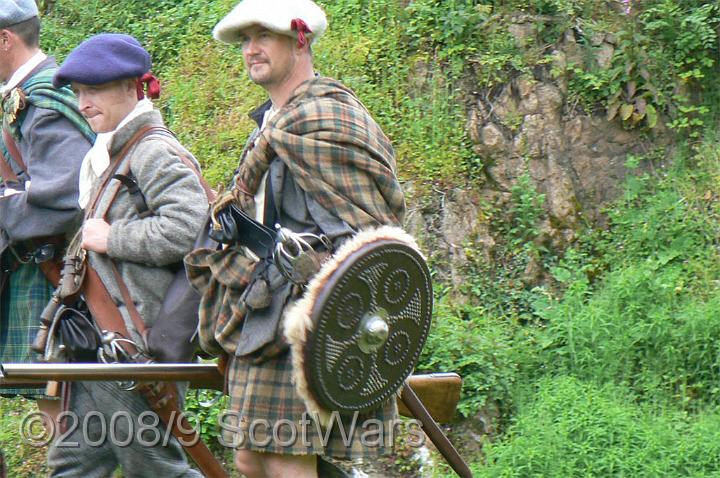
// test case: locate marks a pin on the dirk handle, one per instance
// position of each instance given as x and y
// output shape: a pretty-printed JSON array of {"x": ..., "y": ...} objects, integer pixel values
[{"x": 38, "y": 345}]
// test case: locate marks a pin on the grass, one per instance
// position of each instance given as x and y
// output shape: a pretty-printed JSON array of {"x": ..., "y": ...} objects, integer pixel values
[{"x": 22, "y": 459}]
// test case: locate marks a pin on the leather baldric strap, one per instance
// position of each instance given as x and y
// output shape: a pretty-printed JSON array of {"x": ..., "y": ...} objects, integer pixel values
[
  {"x": 129, "y": 303},
  {"x": 12, "y": 148},
  {"x": 6, "y": 171},
  {"x": 104, "y": 310},
  {"x": 108, "y": 174},
  {"x": 51, "y": 269}
]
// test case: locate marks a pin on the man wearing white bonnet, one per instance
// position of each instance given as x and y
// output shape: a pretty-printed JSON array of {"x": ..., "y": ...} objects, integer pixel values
[{"x": 318, "y": 164}]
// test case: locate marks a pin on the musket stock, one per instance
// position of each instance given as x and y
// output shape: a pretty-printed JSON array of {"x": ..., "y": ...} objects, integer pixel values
[{"x": 439, "y": 392}]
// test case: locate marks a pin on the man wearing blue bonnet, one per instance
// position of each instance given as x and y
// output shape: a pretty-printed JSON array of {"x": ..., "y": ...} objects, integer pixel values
[
  {"x": 134, "y": 253},
  {"x": 44, "y": 139}
]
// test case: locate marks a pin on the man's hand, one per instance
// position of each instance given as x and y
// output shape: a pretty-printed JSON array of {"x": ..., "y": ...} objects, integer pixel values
[{"x": 95, "y": 234}]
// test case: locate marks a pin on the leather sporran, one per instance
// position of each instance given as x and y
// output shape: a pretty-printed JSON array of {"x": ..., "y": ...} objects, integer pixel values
[{"x": 73, "y": 336}]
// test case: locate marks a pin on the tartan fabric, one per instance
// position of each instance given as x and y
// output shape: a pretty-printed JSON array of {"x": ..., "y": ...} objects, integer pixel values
[
  {"x": 222, "y": 276},
  {"x": 337, "y": 154},
  {"x": 263, "y": 397},
  {"x": 335, "y": 151},
  {"x": 40, "y": 92},
  {"x": 25, "y": 295}
]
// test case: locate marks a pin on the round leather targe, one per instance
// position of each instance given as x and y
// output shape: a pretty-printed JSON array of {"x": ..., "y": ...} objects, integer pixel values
[{"x": 371, "y": 321}]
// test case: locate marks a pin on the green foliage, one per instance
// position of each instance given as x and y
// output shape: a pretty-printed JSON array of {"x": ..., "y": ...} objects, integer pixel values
[
  {"x": 449, "y": 27},
  {"x": 21, "y": 458},
  {"x": 163, "y": 27},
  {"x": 572, "y": 428},
  {"x": 525, "y": 212},
  {"x": 612, "y": 369},
  {"x": 469, "y": 341},
  {"x": 202, "y": 408},
  {"x": 652, "y": 322},
  {"x": 663, "y": 50}
]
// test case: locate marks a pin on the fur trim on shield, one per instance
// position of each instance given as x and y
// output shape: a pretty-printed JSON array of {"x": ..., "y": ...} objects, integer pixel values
[{"x": 298, "y": 323}]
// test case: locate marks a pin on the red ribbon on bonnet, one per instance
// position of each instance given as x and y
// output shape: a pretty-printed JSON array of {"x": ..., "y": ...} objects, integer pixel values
[
  {"x": 301, "y": 28},
  {"x": 153, "y": 86}
]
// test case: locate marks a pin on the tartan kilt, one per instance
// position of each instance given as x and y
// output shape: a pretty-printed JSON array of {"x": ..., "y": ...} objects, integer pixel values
[
  {"x": 23, "y": 299},
  {"x": 267, "y": 415}
]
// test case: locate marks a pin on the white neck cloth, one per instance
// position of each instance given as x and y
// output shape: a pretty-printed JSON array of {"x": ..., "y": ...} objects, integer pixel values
[{"x": 97, "y": 159}]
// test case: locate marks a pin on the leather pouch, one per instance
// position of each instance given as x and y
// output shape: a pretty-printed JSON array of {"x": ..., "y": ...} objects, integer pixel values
[{"x": 74, "y": 336}]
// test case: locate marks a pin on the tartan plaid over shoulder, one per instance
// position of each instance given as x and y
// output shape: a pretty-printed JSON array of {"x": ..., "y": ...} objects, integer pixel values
[
  {"x": 337, "y": 154},
  {"x": 39, "y": 91}
]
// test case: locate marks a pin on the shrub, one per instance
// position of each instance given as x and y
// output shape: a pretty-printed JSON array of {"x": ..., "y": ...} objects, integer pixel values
[
  {"x": 652, "y": 321},
  {"x": 573, "y": 428},
  {"x": 470, "y": 342}
]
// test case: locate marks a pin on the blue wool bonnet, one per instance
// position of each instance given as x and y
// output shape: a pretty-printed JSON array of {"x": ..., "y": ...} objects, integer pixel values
[{"x": 104, "y": 58}]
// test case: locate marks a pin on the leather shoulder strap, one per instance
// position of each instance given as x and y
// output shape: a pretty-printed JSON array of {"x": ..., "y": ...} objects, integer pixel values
[
  {"x": 114, "y": 165},
  {"x": 129, "y": 303},
  {"x": 6, "y": 170},
  {"x": 103, "y": 309},
  {"x": 165, "y": 136},
  {"x": 8, "y": 175},
  {"x": 12, "y": 148}
]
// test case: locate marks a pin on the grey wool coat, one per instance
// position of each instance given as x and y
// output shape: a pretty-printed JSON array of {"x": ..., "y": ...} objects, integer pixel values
[
  {"x": 52, "y": 148},
  {"x": 146, "y": 251}
]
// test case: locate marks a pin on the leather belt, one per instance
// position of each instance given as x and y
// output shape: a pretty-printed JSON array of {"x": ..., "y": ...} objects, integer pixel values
[
  {"x": 42, "y": 251},
  {"x": 25, "y": 252}
]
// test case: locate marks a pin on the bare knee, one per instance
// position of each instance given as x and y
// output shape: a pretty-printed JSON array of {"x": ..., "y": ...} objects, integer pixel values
[
  {"x": 249, "y": 464},
  {"x": 295, "y": 466}
]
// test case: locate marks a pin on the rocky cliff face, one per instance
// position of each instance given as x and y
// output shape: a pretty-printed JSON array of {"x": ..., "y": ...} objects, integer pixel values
[{"x": 530, "y": 126}]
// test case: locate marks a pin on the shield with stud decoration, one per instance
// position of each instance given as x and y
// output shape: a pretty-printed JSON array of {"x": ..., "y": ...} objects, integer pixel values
[{"x": 367, "y": 315}]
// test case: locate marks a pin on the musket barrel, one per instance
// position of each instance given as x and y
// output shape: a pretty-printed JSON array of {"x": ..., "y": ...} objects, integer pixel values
[{"x": 101, "y": 372}]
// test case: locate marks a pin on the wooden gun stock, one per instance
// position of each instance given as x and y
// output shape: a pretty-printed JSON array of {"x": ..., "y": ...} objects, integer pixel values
[{"x": 439, "y": 392}]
